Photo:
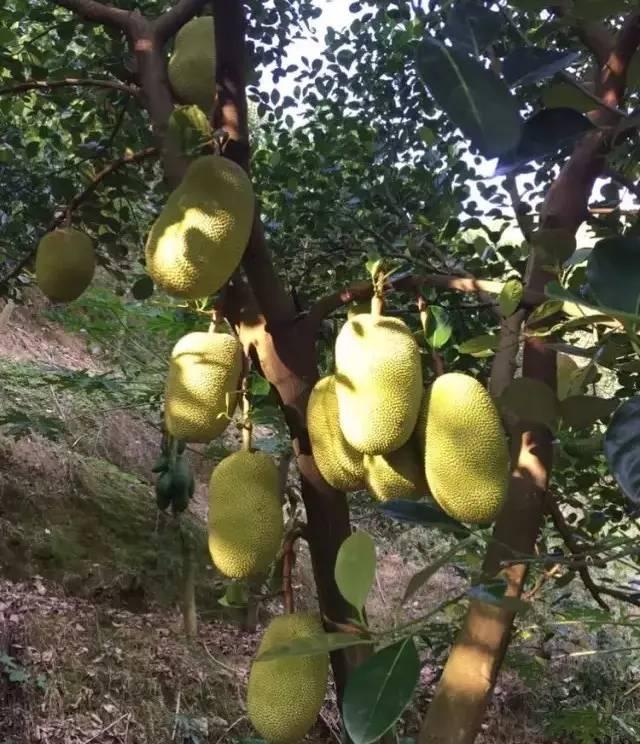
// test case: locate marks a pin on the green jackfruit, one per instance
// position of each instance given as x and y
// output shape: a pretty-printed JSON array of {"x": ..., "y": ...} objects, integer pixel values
[
  {"x": 398, "y": 475},
  {"x": 466, "y": 452},
  {"x": 192, "y": 66},
  {"x": 202, "y": 383},
  {"x": 378, "y": 383},
  {"x": 339, "y": 464},
  {"x": 245, "y": 514},
  {"x": 198, "y": 239},
  {"x": 285, "y": 694},
  {"x": 65, "y": 264}
]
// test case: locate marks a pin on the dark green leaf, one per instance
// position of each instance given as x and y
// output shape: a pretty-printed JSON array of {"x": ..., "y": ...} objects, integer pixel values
[
  {"x": 321, "y": 644},
  {"x": 613, "y": 273},
  {"x": 580, "y": 411},
  {"x": 259, "y": 385},
  {"x": 543, "y": 135},
  {"x": 356, "y": 568},
  {"x": 419, "y": 512},
  {"x": 142, "y": 288},
  {"x": 419, "y": 579},
  {"x": 622, "y": 448},
  {"x": 558, "y": 292},
  {"x": 528, "y": 64},
  {"x": 472, "y": 27},
  {"x": 439, "y": 329},
  {"x": 474, "y": 98},
  {"x": 565, "y": 95},
  {"x": 510, "y": 297},
  {"x": 531, "y": 400},
  {"x": 480, "y": 346},
  {"x": 379, "y": 690}
]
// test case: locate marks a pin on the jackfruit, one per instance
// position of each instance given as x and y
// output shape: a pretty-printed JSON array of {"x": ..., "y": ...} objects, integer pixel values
[
  {"x": 192, "y": 66},
  {"x": 339, "y": 464},
  {"x": 202, "y": 383},
  {"x": 198, "y": 239},
  {"x": 65, "y": 264},
  {"x": 566, "y": 366},
  {"x": 285, "y": 694},
  {"x": 245, "y": 514},
  {"x": 398, "y": 475},
  {"x": 378, "y": 383},
  {"x": 466, "y": 453}
]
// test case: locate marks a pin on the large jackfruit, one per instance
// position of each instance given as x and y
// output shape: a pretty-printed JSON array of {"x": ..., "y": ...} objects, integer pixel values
[
  {"x": 65, "y": 264},
  {"x": 198, "y": 239},
  {"x": 466, "y": 452},
  {"x": 285, "y": 694},
  {"x": 398, "y": 475},
  {"x": 245, "y": 514},
  {"x": 192, "y": 66},
  {"x": 202, "y": 385},
  {"x": 338, "y": 462},
  {"x": 378, "y": 383}
]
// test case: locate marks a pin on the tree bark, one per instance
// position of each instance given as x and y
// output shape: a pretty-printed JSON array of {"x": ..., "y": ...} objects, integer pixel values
[{"x": 462, "y": 695}]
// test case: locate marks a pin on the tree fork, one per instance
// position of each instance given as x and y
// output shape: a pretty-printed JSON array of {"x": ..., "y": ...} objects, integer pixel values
[
  {"x": 459, "y": 705},
  {"x": 283, "y": 344}
]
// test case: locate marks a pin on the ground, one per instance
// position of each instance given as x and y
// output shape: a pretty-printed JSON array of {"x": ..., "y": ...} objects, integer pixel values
[{"x": 91, "y": 648}]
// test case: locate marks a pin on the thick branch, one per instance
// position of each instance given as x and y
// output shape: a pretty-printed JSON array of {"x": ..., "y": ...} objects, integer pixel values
[
  {"x": 172, "y": 21},
  {"x": 91, "y": 10},
  {"x": 46, "y": 85},
  {"x": 78, "y": 199}
]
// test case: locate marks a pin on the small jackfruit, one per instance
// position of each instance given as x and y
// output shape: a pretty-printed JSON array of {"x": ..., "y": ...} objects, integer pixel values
[
  {"x": 466, "y": 452},
  {"x": 285, "y": 694},
  {"x": 192, "y": 66},
  {"x": 245, "y": 514},
  {"x": 398, "y": 475},
  {"x": 65, "y": 264},
  {"x": 198, "y": 239},
  {"x": 338, "y": 462},
  {"x": 202, "y": 385},
  {"x": 378, "y": 383}
]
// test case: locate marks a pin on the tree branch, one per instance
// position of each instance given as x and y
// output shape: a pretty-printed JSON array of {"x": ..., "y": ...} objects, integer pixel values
[
  {"x": 78, "y": 199},
  {"x": 364, "y": 290},
  {"x": 96, "y": 12},
  {"x": 47, "y": 85},
  {"x": 593, "y": 34},
  {"x": 166, "y": 25}
]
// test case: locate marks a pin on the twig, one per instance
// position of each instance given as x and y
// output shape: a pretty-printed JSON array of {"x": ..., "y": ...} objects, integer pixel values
[
  {"x": 287, "y": 565},
  {"x": 96, "y": 12},
  {"x": 175, "y": 716},
  {"x": 230, "y": 728},
  {"x": 45, "y": 85},
  {"x": 219, "y": 663},
  {"x": 107, "y": 728}
]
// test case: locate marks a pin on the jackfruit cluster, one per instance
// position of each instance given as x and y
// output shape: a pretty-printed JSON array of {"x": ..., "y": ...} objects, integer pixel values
[
  {"x": 192, "y": 66},
  {"x": 285, "y": 693},
  {"x": 245, "y": 514},
  {"x": 198, "y": 239},
  {"x": 202, "y": 385},
  {"x": 373, "y": 425},
  {"x": 65, "y": 264}
]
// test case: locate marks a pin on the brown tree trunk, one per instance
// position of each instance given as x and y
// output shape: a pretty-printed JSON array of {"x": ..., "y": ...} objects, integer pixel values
[{"x": 462, "y": 695}]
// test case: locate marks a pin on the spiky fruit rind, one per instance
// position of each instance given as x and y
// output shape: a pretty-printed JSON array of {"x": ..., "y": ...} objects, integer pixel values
[
  {"x": 202, "y": 385},
  {"x": 338, "y": 462},
  {"x": 466, "y": 452},
  {"x": 285, "y": 694},
  {"x": 378, "y": 383},
  {"x": 192, "y": 66},
  {"x": 398, "y": 475},
  {"x": 65, "y": 264},
  {"x": 245, "y": 514},
  {"x": 198, "y": 239}
]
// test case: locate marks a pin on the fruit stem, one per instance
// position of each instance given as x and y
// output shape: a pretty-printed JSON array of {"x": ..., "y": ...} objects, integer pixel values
[
  {"x": 287, "y": 565},
  {"x": 247, "y": 426},
  {"x": 377, "y": 301}
]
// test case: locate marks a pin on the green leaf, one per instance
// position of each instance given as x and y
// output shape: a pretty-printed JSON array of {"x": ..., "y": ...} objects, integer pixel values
[
  {"x": 558, "y": 292},
  {"x": 510, "y": 297},
  {"x": 493, "y": 592},
  {"x": 472, "y": 27},
  {"x": 259, "y": 385},
  {"x": 565, "y": 95},
  {"x": 438, "y": 328},
  {"x": 374, "y": 265},
  {"x": 420, "y": 512},
  {"x": 545, "y": 310},
  {"x": 323, "y": 643},
  {"x": 474, "y": 98},
  {"x": 427, "y": 135},
  {"x": 528, "y": 64},
  {"x": 544, "y": 134},
  {"x": 379, "y": 690},
  {"x": 580, "y": 411},
  {"x": 531, "y": 400},
  {"x": 480, "y": 346},
  {"x": 356, "y": 568},
  {"x": 622, "y": 448},
  {"x": 613, "y": 273},
  {"x": 419, "y": 579},
  {"x": 142, "y": 288}
]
